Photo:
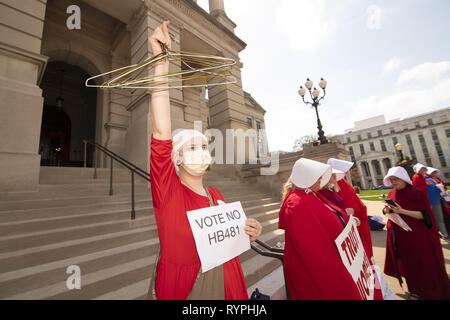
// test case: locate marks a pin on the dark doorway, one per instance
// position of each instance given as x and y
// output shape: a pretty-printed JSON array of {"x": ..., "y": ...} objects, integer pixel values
[{"x": 68, "y": 118}]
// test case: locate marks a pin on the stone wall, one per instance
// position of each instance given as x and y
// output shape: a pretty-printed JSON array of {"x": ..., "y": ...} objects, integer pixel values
[{"x": 273, "y": 183}]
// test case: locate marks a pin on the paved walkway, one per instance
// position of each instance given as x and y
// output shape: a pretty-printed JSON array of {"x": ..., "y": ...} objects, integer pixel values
[{"x": 379, "y": 249}]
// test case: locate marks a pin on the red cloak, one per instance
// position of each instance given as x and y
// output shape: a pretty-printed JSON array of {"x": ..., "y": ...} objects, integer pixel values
[
  {"x": 416, "y": 255},
  {"x": 351, "y": 200},
  {"x": 179, "y": 263},
  {"x": 312, "y": 265},
  {"x": 419, "y": 182}
]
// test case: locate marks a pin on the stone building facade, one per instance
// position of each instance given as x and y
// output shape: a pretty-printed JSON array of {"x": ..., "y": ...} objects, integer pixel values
[
  {"x": 425, "y": 138},
  {"x": 45, "y": 105}
]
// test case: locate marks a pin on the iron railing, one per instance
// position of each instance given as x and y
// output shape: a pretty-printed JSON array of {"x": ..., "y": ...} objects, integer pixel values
[
  {"x": 113, "y": 156},
  {"x": 271, "y": 252}
]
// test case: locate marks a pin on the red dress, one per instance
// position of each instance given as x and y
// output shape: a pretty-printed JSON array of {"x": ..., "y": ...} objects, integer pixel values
[
  {"x": 312, "y": 265},
  {"x": 416, "y": 255},
  {"x": 352, "y": 200},
  {"x": 419, "y": 182},
  {"x": 179, "y": 263}
]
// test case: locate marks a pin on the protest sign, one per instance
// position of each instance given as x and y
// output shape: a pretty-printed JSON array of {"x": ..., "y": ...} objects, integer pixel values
[
  {"x": 219, "y": 233},
  {"x": 355, "y": 260}
]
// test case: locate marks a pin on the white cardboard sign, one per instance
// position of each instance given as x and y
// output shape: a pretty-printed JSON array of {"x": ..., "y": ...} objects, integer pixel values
[
  {"x": 219, "y": 233},
  {"x": 355, "y": 260}
]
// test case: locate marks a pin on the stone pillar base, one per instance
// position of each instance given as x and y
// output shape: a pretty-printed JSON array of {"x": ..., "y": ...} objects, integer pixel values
[{"x": 19, "y": 172}]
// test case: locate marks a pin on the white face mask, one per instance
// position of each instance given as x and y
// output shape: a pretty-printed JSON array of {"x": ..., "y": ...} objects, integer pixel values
[{"x": 196, "y": 161}]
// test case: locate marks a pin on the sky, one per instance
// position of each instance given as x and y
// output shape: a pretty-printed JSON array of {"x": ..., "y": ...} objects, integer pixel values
[{"x": 388, "y": 57}]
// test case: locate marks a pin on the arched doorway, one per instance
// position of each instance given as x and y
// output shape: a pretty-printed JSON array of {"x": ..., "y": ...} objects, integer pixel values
[{"x": 69, "y": 116}]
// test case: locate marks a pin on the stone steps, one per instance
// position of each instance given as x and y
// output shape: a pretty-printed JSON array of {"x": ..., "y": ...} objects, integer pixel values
[
  {"x": 53, "y": 273},
  {"x": 40, "y": 238}
]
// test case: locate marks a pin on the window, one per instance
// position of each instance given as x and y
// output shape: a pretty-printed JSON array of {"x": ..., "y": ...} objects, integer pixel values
[
  {"x": 425, "y": 150},
  {"x": 392, "y": 130},
  {"x": 394, "y": 140},
  {"x": 359, "y": 137},
  {"x": 369, "y": 135},
  {"x": 383, "y": 145},
  {"x": 258, "y": 125},
  {"x": 380, "y": 132},
  {"x": 250, "y": 123},
  {"x": 361, "y": 148},
  {"x": 372, "y": 147},
  {"x": 417, "y": 124},
  {"x": 377, "y": 168},
  {"x": 411, "y": 146},
  {"x": 352, "y": 154},
  {"x": 430, "y": 122},
  {"x": 447, "y": 132},
  {"x": 350, "y": 140},
  {"x": 437, "y": 144}
]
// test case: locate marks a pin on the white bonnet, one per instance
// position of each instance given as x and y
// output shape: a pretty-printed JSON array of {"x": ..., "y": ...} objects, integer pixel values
[
  {"x": 398, "y": 172},
  {"x": 306, "y": 172}
]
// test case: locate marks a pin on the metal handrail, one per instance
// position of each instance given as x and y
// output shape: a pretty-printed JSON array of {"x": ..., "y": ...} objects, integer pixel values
[
  {"x": 271, "y": 252},
  {"x": 133, "y": 169}
]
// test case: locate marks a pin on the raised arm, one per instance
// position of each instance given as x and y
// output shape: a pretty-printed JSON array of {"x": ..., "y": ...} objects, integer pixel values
[{"x": 160, "y": 107}]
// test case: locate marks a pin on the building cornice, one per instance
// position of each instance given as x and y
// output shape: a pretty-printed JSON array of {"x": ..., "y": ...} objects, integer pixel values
[{"x": 404, "y": 131}]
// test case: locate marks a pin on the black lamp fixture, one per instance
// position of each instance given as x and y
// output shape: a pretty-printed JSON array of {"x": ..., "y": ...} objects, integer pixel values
[{"x": 314, "y": 94}]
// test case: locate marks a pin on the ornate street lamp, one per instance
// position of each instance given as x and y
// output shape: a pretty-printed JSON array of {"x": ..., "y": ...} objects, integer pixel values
[
  {"x": 314, "y": 94},
  {"x": 399, "y": 148}
]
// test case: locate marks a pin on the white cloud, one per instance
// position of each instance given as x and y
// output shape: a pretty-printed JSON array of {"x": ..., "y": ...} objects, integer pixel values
[
  {"x": 424, "y": 75},
  {"x": 419, "y": 89},
  {"x": 373, "y": 21},
  {"x": 391, "y": 65},
  {"x": 305, "y": 23}
]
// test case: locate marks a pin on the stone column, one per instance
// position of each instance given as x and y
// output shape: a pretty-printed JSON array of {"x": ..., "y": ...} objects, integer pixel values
[
  {"x": 217, "y": 10},
  {"x": 363, "y": 177},
  {"x": 141, "y": 27},
  {"x": 216, "y": 7},
  {"x": 118, "y": 115},
  {"x": 383, "y": 168},
  {"x": 226, "y": 103},
  {"x": 373, "y": 173},
  {"x": 21, "y": 69}
]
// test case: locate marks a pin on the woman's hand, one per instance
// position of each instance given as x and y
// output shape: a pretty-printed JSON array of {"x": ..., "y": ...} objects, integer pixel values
[
  {"x": 252, "y": 229},
  {"x": 398, "y": 209},
  {"x": 358, "y": 222},
  {"x": 160, "y": 35},
  {"x": 350, "y": 211},
  {"x": 387, "y": 209}
]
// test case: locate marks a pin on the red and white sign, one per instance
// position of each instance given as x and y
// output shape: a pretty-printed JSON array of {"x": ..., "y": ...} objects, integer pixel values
[{"x": 356, "y": 261}]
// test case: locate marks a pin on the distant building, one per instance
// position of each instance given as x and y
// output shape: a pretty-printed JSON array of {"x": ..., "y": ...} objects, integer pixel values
[{"x": 424, "y": 137}]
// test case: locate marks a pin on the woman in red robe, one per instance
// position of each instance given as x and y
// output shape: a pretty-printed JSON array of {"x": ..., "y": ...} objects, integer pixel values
[
  {"x": 312, "y": 265},
  {"x": 418, "y": 180},
  {"x": 416, "y": 255},
  {"x": 354, "y": 203},
  {"x": 174, "y": 194}
]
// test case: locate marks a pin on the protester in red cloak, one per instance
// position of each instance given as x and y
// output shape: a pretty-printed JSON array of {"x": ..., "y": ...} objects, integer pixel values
[
  {"x": 432, "y": 173},
  {"x": 416, "y": 255},
  {"x": 418, "y": 180},
  {"x": 312, "y": 265},
  {"x": 173, "y": 195},
  {"x": 331, "y": 189},
  {"x": 353, "y": 205}
]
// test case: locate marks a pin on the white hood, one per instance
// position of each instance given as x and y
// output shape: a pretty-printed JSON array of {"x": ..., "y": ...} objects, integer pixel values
[
  {"x": 339, "y": 164},
  {"x": 398, "y": 172},
  {"x": 306, "y": 172}
]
